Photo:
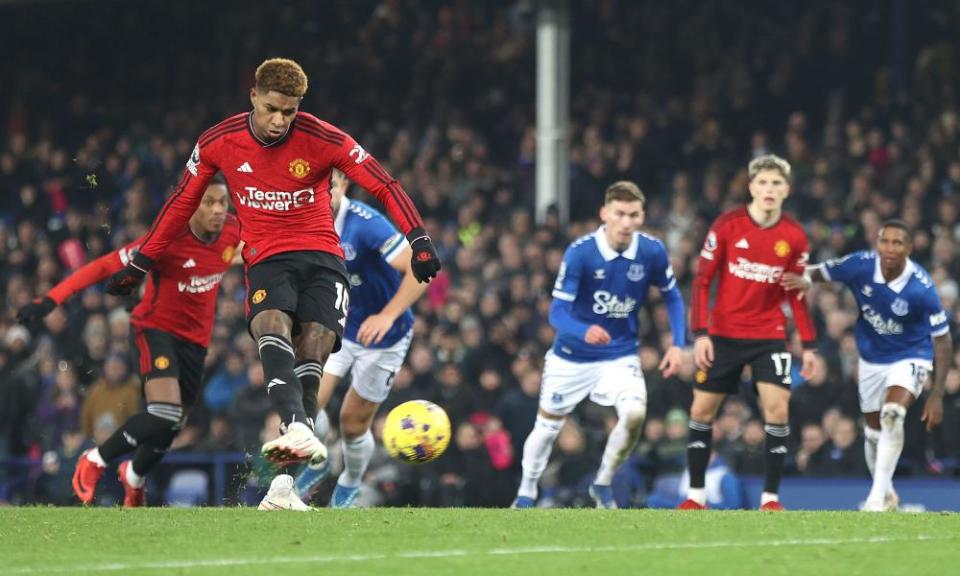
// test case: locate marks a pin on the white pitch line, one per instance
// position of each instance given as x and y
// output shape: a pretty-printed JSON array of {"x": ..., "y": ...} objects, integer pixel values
[{"x": 455, "y": 553}]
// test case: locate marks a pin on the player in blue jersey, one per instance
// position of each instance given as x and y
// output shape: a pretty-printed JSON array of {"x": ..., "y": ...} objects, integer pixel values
[
  {"x": 376, "y": 338},
  {"x": 602, "y": 283},
  {"x": 901, "y": 329}
]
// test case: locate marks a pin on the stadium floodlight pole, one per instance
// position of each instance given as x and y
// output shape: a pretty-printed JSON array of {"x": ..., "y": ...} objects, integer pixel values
[{"x": 553, "y": 103}]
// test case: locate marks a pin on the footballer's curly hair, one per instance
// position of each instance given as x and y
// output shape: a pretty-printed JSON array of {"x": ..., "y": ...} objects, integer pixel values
[
  {"x": 624, "y": 191},
  {"x": 281, "y": 75}
]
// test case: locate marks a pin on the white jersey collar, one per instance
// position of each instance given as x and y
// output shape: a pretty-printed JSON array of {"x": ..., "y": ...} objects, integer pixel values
[
  {"x": 341, "y": 215},
  {"x": 898, "y": 283},
  {"x": 609, "y": 253}
]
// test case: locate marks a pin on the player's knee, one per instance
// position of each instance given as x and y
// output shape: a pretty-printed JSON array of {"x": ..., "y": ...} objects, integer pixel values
[
  {"x": 315, "y": 342},
  {"x": 777, "y": 412},
  {"x": 632, "y": 413},
  {"x": 352, "y": 427},
  {"x": 892, "y": 415},
  {"x": 271, "y": 322},
  {"x": 549, "y": 425},
  {"x": 704, "y": 414},
  {"x": 353, "y": 422}
]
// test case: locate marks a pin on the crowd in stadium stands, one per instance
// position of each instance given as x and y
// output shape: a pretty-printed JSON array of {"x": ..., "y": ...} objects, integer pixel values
[{"x": 93, "y": 138}]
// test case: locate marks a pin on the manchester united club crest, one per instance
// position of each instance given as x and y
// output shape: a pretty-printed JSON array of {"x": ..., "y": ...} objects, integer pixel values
[
  {"x": 635, "y": 272},
  {"x": 781, "y": 248},
  {"x": 300, "y": 168},
  {"x": 161, "y": 363},
  {"x": 900, "y": 307},
  {"x": 227, "y": 254},
  {"x": 258, "y": 296}
]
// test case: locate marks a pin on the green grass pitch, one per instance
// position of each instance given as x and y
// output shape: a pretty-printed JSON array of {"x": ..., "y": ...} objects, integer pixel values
[{"x": 397, "y": 542}]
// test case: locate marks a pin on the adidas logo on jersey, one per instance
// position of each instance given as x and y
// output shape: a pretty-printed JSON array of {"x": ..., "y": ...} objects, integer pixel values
[
  {"x": 189, "y": 263},
  {"x": 245, "y": 167},
  {"x": 742, "y": 243}
]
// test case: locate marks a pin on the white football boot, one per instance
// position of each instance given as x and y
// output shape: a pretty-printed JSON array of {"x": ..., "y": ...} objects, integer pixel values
[
  {"x": 299, "y": 443},
  {"x": 282, "y": 497}
]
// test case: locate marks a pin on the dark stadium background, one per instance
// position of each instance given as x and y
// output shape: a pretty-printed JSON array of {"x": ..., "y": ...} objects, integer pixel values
[{"x": 101, "y": 101}]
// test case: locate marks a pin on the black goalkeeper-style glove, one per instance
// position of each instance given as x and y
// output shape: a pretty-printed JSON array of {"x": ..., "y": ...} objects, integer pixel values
[
  {"x": 124, "y": 282},
  {"x": 35, "y": 311},
  {"x": 425, "y": 262}
]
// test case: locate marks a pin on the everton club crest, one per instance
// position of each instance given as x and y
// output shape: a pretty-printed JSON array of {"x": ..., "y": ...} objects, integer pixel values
[
  {"x": 900, "y": 307},
  {"x": 635, "y": 273}
]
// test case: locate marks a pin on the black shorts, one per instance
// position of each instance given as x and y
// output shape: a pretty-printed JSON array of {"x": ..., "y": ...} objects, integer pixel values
[
  {"x": 769, "y": 362},
  {"x": 160, "y": 354},
  {"x": 311, "y": 286}
]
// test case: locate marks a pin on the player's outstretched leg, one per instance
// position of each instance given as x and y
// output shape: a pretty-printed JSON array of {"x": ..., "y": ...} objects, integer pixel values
[
  {"x": 158, "y": 425},
  {"x": 623, "y": 438},
  {"x": 133, "y": 472},
  {"x": 536, "y": 454},
  {"x": 892, "y": 416},
  {"x": 298, "y": 442}
]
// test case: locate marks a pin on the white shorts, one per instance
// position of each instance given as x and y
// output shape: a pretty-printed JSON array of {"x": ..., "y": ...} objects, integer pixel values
[
  {"x": 566, "y": 384},
  {"x": 371, "y": 369},
  {"x": 876, "y": 378}
]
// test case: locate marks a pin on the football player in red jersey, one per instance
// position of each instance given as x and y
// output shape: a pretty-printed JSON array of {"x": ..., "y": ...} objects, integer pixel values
[
  {"x": 170, "y": 345},
  {"x": 748, "y": 249},
  {"x": 278, "y": 162}
]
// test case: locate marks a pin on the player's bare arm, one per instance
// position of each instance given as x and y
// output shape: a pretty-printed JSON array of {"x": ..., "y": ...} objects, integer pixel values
[
  {"x": 375, "y": 327},
  {"x": 942, "y": 355},
  {"x": 803, "y": 282}
]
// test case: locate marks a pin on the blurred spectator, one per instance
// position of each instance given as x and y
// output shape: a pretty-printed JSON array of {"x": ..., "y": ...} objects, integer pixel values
[
  {"x": 112, "y": 399},
  {"x": 250, "y": 406},
  {"x": 225, "y": 383},
  {"x": 59, "y": 409}
]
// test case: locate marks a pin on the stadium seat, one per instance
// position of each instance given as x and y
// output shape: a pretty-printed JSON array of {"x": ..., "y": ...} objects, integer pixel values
[{"x": 187, "y": 488}]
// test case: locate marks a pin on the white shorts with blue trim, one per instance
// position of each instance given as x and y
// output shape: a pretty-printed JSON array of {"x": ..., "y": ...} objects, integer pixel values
[
  {"x": 607, "y": 382},
  {"x": 876, "y": 378},
  {"x": 371, "y": 369}
]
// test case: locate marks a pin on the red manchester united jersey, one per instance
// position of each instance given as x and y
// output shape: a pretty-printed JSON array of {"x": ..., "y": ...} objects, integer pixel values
[
  {"x": 281, "y": 189},
  {"x": 750, "y": 261},
  {"x": 181, "y": 289}
]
